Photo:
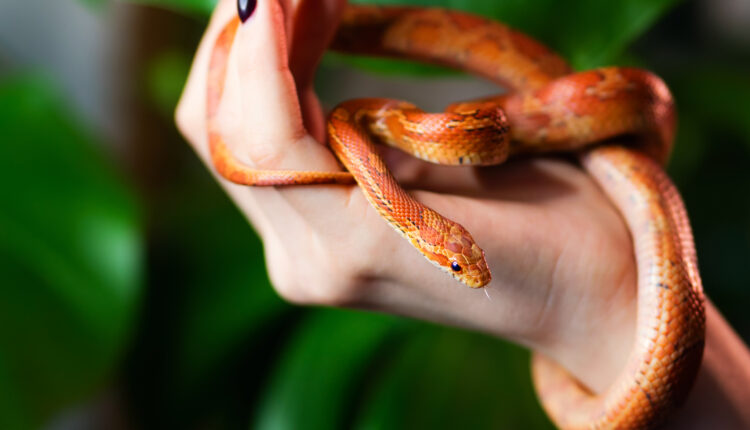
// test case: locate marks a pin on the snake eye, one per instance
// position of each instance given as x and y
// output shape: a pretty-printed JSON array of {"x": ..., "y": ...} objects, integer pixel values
[
  {"x": 455, "y": 267},
  {"x": 246, "y": 8}
]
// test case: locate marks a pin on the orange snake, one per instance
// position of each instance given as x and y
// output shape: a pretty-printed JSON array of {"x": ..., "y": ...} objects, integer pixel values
[{"x": 548, "y": 109}]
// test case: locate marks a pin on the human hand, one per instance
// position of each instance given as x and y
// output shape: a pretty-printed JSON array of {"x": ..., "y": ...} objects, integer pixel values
[{"x": 561, "y": 257}]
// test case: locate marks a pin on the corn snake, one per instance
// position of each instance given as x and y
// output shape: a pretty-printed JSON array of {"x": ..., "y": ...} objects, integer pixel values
[{"x": 549, "y": 109}]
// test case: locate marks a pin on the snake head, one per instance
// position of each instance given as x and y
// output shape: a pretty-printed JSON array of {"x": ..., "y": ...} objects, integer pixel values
[{"x": 461, "y": 257}]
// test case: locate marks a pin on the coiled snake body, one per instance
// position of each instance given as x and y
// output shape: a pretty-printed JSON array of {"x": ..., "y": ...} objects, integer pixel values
[{"x": 549, "y": 108}]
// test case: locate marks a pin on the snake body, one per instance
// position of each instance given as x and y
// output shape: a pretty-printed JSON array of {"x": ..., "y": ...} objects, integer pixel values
[{"x": 549, "y": 108}]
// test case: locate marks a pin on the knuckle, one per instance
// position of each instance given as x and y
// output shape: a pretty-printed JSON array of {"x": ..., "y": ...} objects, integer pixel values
[
  {"x": 304, "y": 288},
  {"x": 327, "y": 275},
  {"x": 265, "y": 155},
  {"x": 286, "y": 287},
  {"x": 341, "y": 271},
  {"x": 283, "y": 279}
]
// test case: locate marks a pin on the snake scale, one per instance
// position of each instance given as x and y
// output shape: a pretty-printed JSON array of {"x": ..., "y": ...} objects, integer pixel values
[{"x": 549, "y": 108}]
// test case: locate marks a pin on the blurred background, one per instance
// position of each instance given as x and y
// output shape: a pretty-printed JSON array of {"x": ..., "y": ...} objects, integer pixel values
[{"x": 134, "y": 295}]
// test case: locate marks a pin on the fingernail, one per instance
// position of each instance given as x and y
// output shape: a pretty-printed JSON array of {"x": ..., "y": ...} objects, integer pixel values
[{"x": 245, "y": 8}]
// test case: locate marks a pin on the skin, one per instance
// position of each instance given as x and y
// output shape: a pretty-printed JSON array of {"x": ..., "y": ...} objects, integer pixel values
[{"x": 542, "y": 222}]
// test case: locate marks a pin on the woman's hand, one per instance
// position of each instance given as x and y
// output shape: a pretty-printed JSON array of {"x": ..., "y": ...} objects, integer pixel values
[{"x": 561, "y": 257}]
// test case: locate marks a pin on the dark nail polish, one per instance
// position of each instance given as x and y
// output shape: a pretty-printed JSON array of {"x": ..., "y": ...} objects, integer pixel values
[{"x": 246, "y": 8}]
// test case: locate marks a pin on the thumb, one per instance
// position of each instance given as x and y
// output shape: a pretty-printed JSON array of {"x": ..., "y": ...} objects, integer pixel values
[{"x": 260, "y": 115}]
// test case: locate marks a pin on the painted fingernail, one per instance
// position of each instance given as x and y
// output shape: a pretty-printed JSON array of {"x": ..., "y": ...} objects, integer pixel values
[{"x": 246, "y": 8}]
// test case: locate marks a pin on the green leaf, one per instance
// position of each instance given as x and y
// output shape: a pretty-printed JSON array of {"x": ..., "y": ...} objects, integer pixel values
[
  {"x": 365, "y": 371},
  {"x": 220, "y": 250},
  {"x": 711, "y": 102},
  {"x": 165, "y": 78},
  {"x": 690, "y": 147},
  {"x": 193, "y": 7},
  {"x": 94, "y": 4},
  {"x": 719, "y": 95},
  {"x": 445, "y": 378},
  {"x": 709, "y": 163},
  {"x": 313, "y": 387},
  {"x": 70, "y": 257}
]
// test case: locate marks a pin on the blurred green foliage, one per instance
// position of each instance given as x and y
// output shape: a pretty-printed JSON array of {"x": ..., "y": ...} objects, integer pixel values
[
  {"x": 214, "y": 346},
  {"x": 165, "y": 77},
  {"x": 709, "y": 165},
  {"x": 70, "y": 257},
  {"x": 205, "y": 329},
  {"x": 194, "y": 7}
]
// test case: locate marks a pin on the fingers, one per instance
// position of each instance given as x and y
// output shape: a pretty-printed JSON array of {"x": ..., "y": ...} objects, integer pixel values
[
  {"x": 310, "y": 38},
  {"x": 270, "y": 130},
  {"x": 309, "y": 41},
  {"x": 259, "y": 113},
  {"x": 259, "y": 120}
]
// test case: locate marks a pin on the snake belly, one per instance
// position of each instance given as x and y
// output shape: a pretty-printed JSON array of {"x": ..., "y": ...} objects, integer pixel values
[{"x": 549, "y": 109}]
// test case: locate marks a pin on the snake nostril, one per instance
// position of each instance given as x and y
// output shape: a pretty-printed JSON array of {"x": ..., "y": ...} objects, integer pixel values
[{"x": 455, "y": 267}]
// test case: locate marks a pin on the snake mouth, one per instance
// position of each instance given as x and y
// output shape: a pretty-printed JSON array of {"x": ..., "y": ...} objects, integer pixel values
[
  {"x": 474, "y": 282},
  {"x": 476, "y": 275}
]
